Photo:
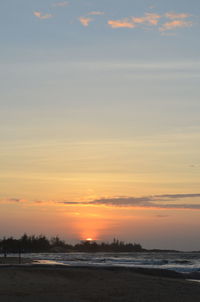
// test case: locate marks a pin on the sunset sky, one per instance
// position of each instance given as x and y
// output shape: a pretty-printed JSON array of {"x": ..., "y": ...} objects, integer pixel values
[{"x": 100, "y": 123}]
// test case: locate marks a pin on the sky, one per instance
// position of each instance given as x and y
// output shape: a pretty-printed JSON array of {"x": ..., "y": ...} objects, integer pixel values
[{"x": 99, "y": 120}]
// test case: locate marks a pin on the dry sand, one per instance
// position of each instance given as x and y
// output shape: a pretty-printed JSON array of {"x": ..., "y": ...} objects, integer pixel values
[{"x": 75, "y": 284}]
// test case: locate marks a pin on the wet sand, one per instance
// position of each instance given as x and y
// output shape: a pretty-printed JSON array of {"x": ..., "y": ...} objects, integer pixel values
[{"x": 76, "y": 284}]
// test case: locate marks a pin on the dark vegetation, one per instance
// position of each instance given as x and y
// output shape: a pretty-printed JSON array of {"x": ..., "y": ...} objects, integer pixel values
[{"x": 38, "y": 244}]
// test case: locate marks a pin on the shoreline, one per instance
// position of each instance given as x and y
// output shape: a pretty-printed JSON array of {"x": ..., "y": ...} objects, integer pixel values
[{"x": 12, "y": 262}]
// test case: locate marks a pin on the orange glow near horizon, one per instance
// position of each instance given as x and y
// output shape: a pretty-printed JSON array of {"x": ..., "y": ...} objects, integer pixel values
[
  {"x": 91, "y": 229},
  {"x": 92, "y": 222},
  {"x": 89, "y": 235}
]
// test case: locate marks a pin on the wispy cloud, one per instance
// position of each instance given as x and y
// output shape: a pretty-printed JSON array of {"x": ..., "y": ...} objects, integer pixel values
[
  {"x": 85, "y": 21},
  {"x": 13, "y": 200},
  {"x": 124, "y": 23},
  {"x": 60, "y": 4},
  {"x": 177, "y": 20},
  {"x": 166, "y": 201},
  {"x": 175, "y": 24},
  {"x": 41, "y": 16},
  {"x": 177, "y": 196},
  {"x": 132, "y": 22},
  {"x": 149, "y": 19},
  {"x": 172, "y": 15},
  {"x": 96, "y": 13}
]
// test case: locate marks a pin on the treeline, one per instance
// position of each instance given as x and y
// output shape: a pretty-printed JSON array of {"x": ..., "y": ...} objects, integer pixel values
[{"x": 39, "y": 244}]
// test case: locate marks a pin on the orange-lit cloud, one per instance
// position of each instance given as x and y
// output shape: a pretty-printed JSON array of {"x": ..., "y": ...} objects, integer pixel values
[
  {"x": 124, "y": 23},
  {"x": 132, "y": 22},
  {"x": 177, "y": 16},
  {"x": 175, "y": 24},
  {"x": 153, "y": 19},
  {"x": 39, "y": 15},
  {"x": 85, "y": 21},
  {"x": 149, "y": 19}
]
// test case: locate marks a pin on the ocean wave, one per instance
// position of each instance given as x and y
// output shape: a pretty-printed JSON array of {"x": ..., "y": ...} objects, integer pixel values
[{"x": 180, "y": 262}]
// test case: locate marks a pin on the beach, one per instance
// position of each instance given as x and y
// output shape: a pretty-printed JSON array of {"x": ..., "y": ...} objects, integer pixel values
[{"x": 30, "y": 283}]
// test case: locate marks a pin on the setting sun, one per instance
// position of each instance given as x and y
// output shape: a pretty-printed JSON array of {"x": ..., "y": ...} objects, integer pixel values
[{"x": 89, "y": 239}]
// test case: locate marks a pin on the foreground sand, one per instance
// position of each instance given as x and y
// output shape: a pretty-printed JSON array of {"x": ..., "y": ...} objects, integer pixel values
[{"x": 75, "y": 284}]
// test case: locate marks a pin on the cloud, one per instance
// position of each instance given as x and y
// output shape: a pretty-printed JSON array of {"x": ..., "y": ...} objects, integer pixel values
[
  {"x": 124, "y": 23},
  {"x": 149, "y": 19},
  {"x": 175, "y": 24},
  {"x": 177, "y": 20},
  {"x": 39, "y": 15},
  {"x": 85, "y": 21},
  {"x": 96, "y": 13},
  {"x": 153, "y": 201},
  {"x": 123, "y": 201},
  {"x": 164, "y": 201},
  {"x": 13, "y": 200},
  {"x": 60, "y": 4},
  {"x": 177, "y": 196},
  {"x": 177, "y": 16},
  {"x": 132, "y": 22}
]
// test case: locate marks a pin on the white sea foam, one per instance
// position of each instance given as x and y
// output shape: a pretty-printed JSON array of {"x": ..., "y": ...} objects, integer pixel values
[{"x": 181, "y": 262}]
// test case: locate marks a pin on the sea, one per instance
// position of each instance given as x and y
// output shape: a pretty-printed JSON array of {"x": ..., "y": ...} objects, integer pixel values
[{"x": 183, "y": 262}]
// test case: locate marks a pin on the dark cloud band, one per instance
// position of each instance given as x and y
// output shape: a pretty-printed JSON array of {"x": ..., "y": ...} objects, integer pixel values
[{"x": 152, "y": 201}]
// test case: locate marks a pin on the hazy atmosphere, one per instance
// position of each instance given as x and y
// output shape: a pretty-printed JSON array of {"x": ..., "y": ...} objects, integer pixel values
[{"x": 99, "y": 115}]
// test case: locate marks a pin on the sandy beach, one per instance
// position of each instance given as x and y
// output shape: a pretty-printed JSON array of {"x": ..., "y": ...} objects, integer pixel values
[{"x": 76, "y": 284}]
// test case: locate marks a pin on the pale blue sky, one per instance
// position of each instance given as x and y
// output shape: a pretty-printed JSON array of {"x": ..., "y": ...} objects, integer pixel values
[{"x": 46, "y": 59}]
